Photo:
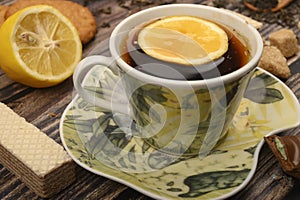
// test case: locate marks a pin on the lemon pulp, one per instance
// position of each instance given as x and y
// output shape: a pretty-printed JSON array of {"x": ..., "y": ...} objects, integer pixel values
[{"x": 185, "y": 40}]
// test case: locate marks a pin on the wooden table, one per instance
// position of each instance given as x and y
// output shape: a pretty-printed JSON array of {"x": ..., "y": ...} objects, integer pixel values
[{"x": 44, "y": 108}]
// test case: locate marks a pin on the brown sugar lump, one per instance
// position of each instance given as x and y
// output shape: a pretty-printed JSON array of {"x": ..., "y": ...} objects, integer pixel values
[
  {"x": 286, "y": 41},
  {"x": 273, "y": 61},
  {"x": 41, "y": 163}
]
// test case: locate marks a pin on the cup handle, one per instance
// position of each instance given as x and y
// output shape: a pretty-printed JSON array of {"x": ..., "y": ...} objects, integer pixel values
[{"x": 82, "y": 69}]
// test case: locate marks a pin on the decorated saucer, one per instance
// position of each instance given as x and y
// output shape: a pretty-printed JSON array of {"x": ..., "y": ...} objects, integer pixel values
[{"x": 94, "y": 141}]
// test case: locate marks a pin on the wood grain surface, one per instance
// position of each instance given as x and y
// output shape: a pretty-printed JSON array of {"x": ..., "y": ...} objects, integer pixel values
[{"x": 44, "y": 108}]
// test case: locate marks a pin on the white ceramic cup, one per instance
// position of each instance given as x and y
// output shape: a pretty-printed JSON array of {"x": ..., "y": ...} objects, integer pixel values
[{"x": 158, "y": 107}]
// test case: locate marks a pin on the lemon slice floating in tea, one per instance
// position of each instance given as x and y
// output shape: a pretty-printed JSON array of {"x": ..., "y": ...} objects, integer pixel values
[
  {"x": 39, "y": 47},
  {"x": 184, "y": 40}
]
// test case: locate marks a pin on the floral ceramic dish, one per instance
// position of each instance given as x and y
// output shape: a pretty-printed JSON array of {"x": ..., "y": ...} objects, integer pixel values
[{"x": 95, "y": 142}]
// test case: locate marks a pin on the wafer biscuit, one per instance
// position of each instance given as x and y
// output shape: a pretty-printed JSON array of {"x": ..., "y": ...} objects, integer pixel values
[
  {"x": 80, "y": 16},
  {"x": 41, "y": 163}
]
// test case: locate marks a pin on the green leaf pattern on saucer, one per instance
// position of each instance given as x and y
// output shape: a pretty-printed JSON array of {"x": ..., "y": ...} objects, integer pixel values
[{"x": 94, "y": 141}]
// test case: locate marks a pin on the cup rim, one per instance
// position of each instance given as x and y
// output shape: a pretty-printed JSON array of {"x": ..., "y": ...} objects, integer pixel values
[{"x": 251, "y": 64}]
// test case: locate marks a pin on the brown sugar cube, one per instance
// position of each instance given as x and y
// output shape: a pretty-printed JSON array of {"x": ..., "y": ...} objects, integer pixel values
[
  {"x": 41, "y": 163},
  {"x": 286, "y": 41},
  {"x": 273, "y": 61}
]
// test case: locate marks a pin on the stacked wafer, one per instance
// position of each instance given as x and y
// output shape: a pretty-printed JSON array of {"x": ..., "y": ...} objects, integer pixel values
[{"x": 40, "y": 162}]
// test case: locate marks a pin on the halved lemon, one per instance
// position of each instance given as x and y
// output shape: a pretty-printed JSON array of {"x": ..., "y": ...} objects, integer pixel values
[
  {"x": 39, "y": 47},
  {"x": 184, "y": 40}
]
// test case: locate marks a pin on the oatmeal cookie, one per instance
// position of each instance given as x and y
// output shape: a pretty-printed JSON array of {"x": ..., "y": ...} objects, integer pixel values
[{"x": 3, "y": 10}]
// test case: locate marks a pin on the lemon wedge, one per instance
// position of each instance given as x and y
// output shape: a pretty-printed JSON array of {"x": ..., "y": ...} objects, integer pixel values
[
  {"x": 39, "y": 47},
  {"x": 186, "y": 40}
]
